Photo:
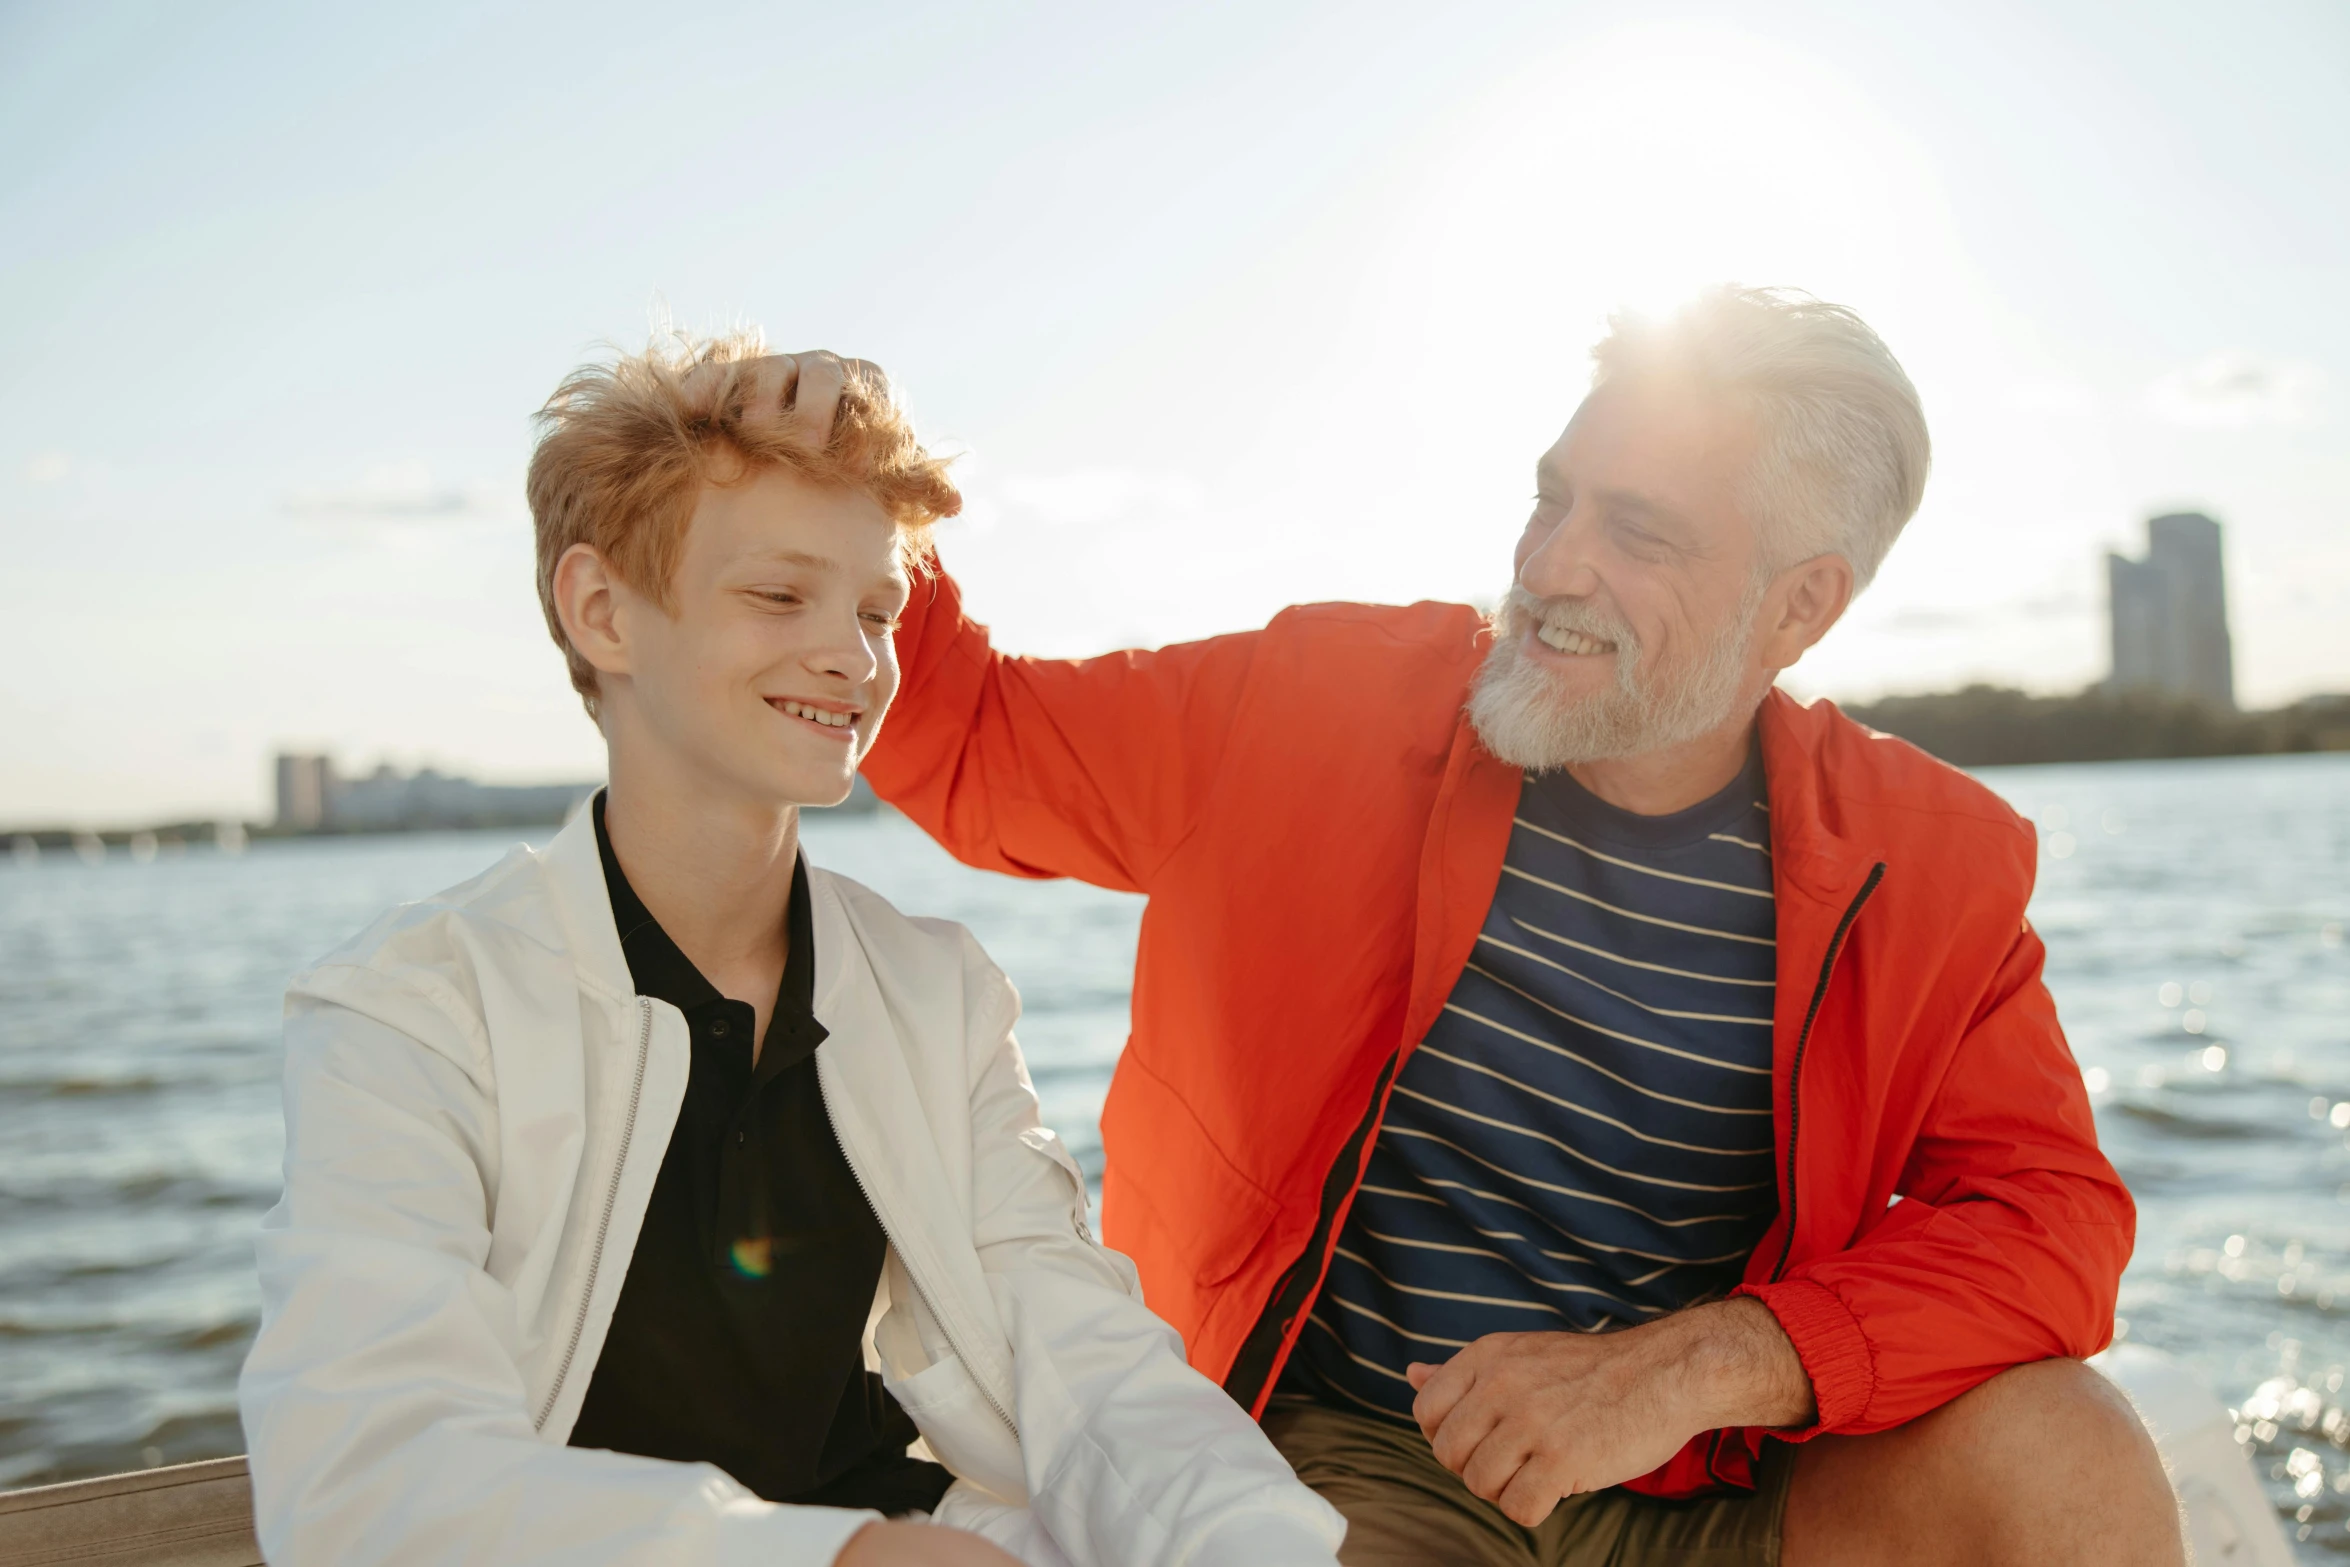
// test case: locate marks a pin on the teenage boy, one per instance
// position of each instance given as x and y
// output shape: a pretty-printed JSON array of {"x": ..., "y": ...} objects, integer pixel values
[{"x": 600, "y": 1167}]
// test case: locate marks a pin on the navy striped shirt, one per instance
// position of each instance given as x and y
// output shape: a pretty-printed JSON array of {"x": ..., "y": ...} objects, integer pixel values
[{"x": 1583, "y": 1139}]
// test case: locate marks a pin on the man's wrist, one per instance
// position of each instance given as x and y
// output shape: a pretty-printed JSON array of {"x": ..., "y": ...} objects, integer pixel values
[{"x": 1739, "y": 1368}]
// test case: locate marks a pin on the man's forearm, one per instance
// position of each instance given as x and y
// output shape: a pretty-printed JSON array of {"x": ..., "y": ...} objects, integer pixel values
[
  {"x": 1741, "y": 1368},
  {"x": 1526, "y": 1418}
]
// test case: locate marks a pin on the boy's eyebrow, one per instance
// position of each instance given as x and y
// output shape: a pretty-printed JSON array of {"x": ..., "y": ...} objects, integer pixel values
[{"x": 799, "y": 558}]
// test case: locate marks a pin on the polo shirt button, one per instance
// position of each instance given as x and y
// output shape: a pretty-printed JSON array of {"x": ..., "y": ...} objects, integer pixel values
[{"x": 719, "y": 1028}]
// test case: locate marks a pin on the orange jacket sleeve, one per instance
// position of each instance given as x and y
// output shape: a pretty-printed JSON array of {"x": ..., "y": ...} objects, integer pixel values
[
  {"x": 1093, "y": 768},
  {"x": 2008, "y": 1243}
]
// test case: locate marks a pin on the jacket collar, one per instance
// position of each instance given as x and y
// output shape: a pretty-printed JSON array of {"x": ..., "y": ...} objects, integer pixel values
[
  {"x": 892, "y": 1148},
  {"x": 869, "y": 1088},
  {"x": 1807, "y": 846},
  {"x": 835, "y": 937},
  {"x": 1468, "y": 834},
  {"x": 574, "y": 869}
]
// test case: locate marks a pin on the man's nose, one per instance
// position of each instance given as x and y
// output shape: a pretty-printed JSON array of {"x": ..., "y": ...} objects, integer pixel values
[{"x": 1561, "y": 563}]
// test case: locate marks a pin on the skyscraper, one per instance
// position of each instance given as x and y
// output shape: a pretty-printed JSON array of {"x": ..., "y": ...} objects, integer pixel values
[
  {"x": 305, "y": 791},
  {"x": 2170, "y": 613}
]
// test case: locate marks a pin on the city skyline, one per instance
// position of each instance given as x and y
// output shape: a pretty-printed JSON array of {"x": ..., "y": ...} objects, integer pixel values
[
  {"x": 1229, "y": 310},
  {"x": 2168, "y": 613}
]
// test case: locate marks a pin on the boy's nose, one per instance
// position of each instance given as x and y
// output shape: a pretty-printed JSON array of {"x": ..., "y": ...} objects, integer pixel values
[{"x": 847, "y": 656}]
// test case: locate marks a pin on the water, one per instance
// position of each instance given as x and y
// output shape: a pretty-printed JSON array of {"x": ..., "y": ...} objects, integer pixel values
[{"x": 2197, "y": 916}]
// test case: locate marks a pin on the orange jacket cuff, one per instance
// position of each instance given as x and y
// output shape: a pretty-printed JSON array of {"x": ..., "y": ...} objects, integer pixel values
[{"x": 1834, "y": 1351}]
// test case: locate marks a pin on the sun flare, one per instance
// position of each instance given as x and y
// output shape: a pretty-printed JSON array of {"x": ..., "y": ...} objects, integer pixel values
[{"x": 1640, "y": 169}]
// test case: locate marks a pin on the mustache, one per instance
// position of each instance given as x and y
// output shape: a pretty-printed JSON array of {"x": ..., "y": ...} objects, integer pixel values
[{"x": 1522, "y": 611}]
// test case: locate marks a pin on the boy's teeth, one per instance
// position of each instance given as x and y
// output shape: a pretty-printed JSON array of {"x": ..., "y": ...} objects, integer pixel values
[{"x": 833, "y": 720}]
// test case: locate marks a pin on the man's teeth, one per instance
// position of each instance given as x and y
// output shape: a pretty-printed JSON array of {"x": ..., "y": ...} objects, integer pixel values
[
  {"x": 831, "y": 720},
  {"x": 1572, "y": 641}
]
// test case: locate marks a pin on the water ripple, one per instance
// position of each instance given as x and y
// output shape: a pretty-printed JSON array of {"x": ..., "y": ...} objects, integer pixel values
[{"x": 2197, "y": 954}]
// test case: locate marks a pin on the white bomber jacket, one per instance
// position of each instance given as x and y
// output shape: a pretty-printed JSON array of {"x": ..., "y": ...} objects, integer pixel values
[{"x": 477, "y": 1103}]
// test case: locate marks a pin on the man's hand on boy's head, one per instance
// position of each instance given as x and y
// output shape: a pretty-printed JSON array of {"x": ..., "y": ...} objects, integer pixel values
[
  {"x": 800, "y": 392},
  {"x": 918, "y": 1545}
]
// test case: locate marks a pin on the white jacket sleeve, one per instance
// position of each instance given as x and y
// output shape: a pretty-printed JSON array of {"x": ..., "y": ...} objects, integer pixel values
[
  {"x": 383, "y": 1400},
  {"x": 1152, "y": 1463}
]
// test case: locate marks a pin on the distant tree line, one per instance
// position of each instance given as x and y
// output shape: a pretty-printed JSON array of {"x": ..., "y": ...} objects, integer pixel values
[{"x": 1991, "y": 726}]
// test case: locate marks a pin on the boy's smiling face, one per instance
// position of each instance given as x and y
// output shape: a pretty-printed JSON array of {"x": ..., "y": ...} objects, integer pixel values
[{"x": 767, "y": 677}]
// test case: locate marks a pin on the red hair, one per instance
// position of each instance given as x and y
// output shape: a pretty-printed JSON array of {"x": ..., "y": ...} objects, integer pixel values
[{"x": 624, "y": 449}]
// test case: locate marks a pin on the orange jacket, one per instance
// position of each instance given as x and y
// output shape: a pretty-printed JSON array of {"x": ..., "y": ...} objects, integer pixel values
[{"x": 1319, "y": 834}]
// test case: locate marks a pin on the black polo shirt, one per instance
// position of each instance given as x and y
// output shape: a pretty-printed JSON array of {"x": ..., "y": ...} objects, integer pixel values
[{"x": 739, "y": 1336}]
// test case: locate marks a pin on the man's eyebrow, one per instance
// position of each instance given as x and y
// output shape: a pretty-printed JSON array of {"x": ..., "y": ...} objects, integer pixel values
[{"x": 1642, "y": 506}]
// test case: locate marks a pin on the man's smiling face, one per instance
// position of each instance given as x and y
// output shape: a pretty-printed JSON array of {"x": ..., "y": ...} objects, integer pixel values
[
  {"x": 770, "y": 673},
  {"x": 1630, "y": 623}
]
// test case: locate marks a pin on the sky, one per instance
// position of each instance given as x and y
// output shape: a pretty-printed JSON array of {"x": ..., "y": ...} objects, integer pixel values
[{"x": 1225, "y": 306}]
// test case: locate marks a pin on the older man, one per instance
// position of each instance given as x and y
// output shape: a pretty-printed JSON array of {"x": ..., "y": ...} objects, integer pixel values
[{"x": 1591, "y": 1106}]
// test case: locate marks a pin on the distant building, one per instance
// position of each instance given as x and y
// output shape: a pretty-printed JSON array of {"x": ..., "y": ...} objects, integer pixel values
[
  {"x": 305, "y": 788},
  {"x": 313, "y": 797},
  {"x": 2170, "y": 613},
  {"x": 389, "y": 801}
]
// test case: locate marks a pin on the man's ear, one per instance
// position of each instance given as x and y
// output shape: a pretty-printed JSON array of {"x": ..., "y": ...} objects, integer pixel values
[
  {"x": 1803, "y": 602},
  {"x": 587, "y": 601}
]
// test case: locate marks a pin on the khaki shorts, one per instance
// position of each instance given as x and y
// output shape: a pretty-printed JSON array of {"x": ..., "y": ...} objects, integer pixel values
[{"x": 1403, "y": 1507}]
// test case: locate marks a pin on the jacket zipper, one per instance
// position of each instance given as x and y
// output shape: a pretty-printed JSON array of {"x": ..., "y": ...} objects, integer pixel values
[
  {"x": 1819, "y": 994},
  {"x": 636, "y": 1095},
  {"x": 945, "y": 1323},
  {"x": 1260, "y": 1360}
]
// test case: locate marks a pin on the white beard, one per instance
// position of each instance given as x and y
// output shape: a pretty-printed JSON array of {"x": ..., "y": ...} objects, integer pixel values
[{"x": 1525, "y": 720}]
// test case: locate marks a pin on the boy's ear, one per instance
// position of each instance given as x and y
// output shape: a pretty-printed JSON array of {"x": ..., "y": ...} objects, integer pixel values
[{"x": 587, "y": 602}]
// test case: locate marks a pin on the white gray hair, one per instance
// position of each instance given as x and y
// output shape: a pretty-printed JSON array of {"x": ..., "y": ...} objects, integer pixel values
[{"x": 1844, "y": 445}]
